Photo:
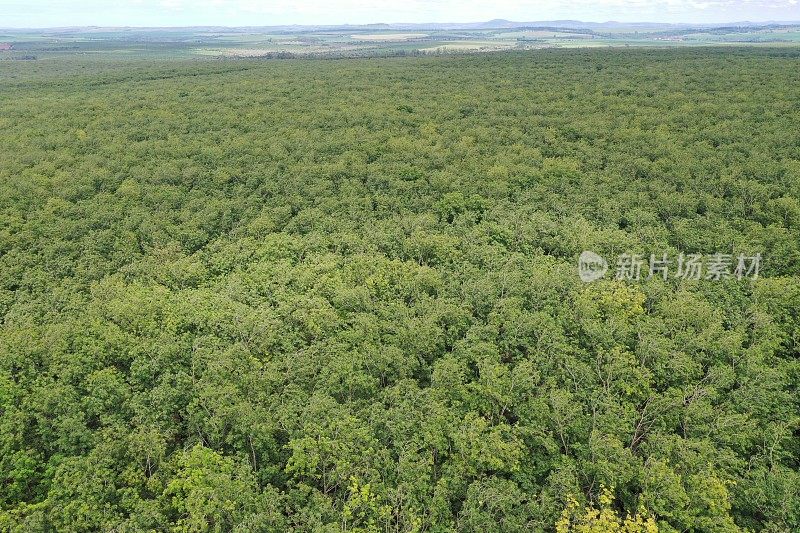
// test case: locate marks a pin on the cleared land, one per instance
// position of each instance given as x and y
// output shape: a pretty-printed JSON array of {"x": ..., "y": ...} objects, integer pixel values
[
  {"x": 388, "y": 36},
  {"x": 191, "y": 43}
]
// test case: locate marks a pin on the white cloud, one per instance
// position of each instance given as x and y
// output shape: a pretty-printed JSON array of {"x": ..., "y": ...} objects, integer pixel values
[{"x": 266, "y": 12}]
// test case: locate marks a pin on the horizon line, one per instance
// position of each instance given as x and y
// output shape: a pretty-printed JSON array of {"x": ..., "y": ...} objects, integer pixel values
[{"x": 367, "y": 24}]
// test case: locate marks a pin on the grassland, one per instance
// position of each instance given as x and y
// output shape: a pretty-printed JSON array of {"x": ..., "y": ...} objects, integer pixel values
[{"x": 367, "y": 41}]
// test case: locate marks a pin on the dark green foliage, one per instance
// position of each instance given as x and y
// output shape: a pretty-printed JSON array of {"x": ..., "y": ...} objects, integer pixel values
[{"x": 342, "y": 295}]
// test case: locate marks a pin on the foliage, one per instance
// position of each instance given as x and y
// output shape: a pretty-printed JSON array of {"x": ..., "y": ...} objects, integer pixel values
[
  {"x": 342, "y": 295},
  {"x": 604, "y": 519}
]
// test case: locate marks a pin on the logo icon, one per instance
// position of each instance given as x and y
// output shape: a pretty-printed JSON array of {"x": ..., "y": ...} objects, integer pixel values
[{"x": 591, "y": 267}]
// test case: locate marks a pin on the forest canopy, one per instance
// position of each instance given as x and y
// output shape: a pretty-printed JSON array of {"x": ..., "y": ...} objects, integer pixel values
[{"x": 343, "y": 295}]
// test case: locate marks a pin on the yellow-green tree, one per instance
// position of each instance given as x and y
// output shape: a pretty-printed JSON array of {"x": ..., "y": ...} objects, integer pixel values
[{"x": 604, "y": 519}]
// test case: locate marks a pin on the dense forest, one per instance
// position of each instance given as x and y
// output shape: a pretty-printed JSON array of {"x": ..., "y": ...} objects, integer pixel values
[{"x": 343, "y": 295}]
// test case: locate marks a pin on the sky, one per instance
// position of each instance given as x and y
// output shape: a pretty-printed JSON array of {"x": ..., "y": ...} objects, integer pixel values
[{"x": 60, "y": 13}]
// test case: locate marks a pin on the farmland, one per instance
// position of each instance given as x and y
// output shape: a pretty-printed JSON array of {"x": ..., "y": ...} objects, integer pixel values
[{"x": 355, "y": 41}]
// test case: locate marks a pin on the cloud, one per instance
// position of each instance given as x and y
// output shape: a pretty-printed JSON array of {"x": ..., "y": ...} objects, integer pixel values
[{"x": 266, "y": 12}]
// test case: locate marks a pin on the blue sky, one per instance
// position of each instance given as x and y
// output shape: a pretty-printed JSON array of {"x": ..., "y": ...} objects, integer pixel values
[{"x": 52, "y": 13}]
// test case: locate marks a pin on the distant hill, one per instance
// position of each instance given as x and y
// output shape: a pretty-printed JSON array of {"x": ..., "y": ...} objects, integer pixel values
[{"x": 487, "y": 25}]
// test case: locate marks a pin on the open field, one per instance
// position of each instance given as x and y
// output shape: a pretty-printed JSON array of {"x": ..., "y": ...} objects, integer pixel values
[
  {"x": 388, "y": 36},
  {"x": 351, "y": 41}
]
